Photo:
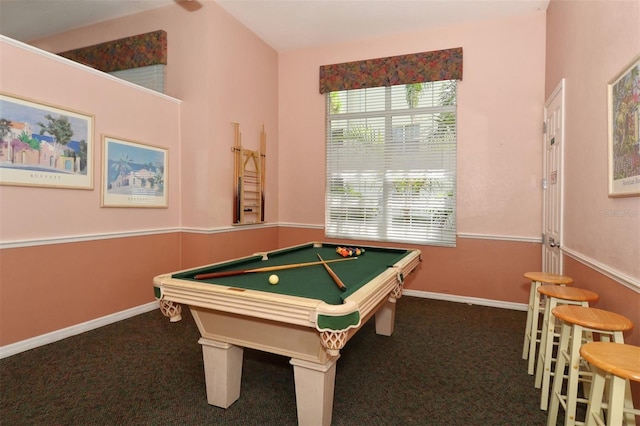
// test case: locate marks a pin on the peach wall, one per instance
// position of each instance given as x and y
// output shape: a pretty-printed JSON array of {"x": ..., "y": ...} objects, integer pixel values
[
  {"x": 243, "y": 76},
  {"x": 50, "y": 287},
  {"x": 589, "y": 43},
  {"x": 613, "y": 297},
  {"x": 38, "y": 213},
  {"x": 500, "y": 104},
  {"x": 223, "y": 73},
  {"x": 202, "y": 249},
  {"x": 45, "y": 287}
]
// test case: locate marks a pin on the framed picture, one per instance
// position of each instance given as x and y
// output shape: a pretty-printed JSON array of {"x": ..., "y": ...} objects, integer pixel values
[
  {"x": 623, "y": 94},
  {"x": 133, "y": 174},
  {"x": 44, "y": 145}
]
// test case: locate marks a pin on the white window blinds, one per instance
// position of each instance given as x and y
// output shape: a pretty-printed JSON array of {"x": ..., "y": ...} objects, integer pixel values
[
  {"x": 151, "y": 77},
  {"x": 391, "y": 163}
]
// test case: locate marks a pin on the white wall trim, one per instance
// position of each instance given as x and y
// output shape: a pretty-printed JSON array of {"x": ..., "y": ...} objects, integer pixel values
[
  {"x": 83, "y": 238},
  {"x": 54, "y": 336},
  {"x": 84, "y": 68},
  {"x": 301, "y": 225},
  {"x": 501, "y": 238},
  {"x": 467, "y": 300},
  {"x": 625, "y": 280},
  {"x": 207, "y": 231}
]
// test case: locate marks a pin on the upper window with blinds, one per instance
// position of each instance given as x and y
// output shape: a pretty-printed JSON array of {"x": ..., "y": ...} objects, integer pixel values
[
  {"x": 391, "y": 163},
  {"x": 151, "y": 77}
]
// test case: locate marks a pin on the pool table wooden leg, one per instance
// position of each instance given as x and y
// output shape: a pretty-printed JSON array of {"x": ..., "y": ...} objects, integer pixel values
[
  {"x": 222, "y": 371},
  {"x": 385, "y": 317},
  {"x": 314, "y": 391}
]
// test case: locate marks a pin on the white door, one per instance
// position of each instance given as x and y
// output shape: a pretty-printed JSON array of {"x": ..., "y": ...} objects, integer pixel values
[{"x": 552, "y": 182}]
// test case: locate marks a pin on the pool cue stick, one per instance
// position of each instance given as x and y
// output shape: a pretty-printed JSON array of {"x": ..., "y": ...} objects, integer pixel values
[
  {"x": 263, "y": 164},
  {"x": 265, "y": 269},
  {"x": 337, "y": 280}
]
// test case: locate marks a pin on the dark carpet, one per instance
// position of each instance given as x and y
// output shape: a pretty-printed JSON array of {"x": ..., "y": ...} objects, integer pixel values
[{"x": 446, "y": 364}]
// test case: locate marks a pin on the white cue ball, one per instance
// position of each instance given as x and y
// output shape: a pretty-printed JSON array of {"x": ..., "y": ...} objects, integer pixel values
[{"x": 273, "y": 279}]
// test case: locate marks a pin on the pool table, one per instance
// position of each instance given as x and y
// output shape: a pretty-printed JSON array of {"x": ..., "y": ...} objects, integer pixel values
[{"x": 306, "y": 316}]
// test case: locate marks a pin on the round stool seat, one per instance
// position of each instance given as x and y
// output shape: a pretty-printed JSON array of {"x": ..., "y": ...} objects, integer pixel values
[
  {"x": 621, "y": 360},
  {"x": 568, "y": 293},
  {"x": 617, "y": 364},
  {"x": 597, "y": 319},
  {"x": 545, "y": 277}
]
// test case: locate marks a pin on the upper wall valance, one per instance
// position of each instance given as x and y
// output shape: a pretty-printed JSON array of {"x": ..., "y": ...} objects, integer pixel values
[
  {"x": 403, "y": 69},
  {"x": 141, "y": 50}
]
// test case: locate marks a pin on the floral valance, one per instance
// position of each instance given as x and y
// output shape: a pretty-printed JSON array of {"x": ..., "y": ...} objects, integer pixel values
[
  {"x": 394, "y": 70},
  {"x": 129, "y": 52}
]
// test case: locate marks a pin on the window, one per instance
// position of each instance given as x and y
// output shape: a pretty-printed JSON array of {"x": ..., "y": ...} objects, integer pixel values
[
  {"x": 391, "y": 163},
  {"x": 151, "y": 77}
]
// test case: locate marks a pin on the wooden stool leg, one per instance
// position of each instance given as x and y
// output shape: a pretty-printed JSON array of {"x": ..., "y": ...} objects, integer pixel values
[
  {"x": 616, "y": 400},
  {"x": 629, "y": 417},
  {"x": 620, "y": 410},
  {"x": 528, "y": 330},
  {"x": 573, "y": 376},
  {"x": 535, "y": 319},
  {"x": 543, "y": 369},
  {"x": 585, "y": 367},
  {"x": 558, "y": 378},
  {"x": 594, "y": 408},
  {"x": 629, "y": 412}
]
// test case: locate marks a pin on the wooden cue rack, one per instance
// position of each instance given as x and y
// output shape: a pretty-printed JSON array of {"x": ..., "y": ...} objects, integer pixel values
[{"x": 249, "y": 180}]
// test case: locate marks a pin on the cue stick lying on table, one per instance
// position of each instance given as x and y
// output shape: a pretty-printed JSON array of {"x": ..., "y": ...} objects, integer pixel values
[
  {"x": 266, "y": 269},
  {"x": 337, "y": 280}
]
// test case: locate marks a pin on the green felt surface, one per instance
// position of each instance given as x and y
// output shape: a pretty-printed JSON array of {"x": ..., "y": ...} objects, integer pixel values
[{"x": 312, "y": 281}]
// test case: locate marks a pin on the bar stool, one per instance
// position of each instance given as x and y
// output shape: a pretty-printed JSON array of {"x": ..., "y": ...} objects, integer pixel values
[
  {"x": 555, "y": 295},
  {"x": 578, "y": 324},
  {"x": 622, "y": 363},
  {"x": 531, "y": 331}
]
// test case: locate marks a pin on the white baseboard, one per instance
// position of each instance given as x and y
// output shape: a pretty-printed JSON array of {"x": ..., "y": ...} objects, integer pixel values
[
  {"x": 54, "y": 336},
  {"x": 467, "y": 300}
]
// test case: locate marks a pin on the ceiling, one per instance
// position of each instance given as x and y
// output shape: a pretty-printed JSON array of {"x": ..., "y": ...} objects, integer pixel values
[{"x": 284, "y": 24}]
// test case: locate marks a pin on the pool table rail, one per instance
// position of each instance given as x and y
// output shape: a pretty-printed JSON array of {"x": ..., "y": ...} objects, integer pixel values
[{"x": 269, "y": 306}]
